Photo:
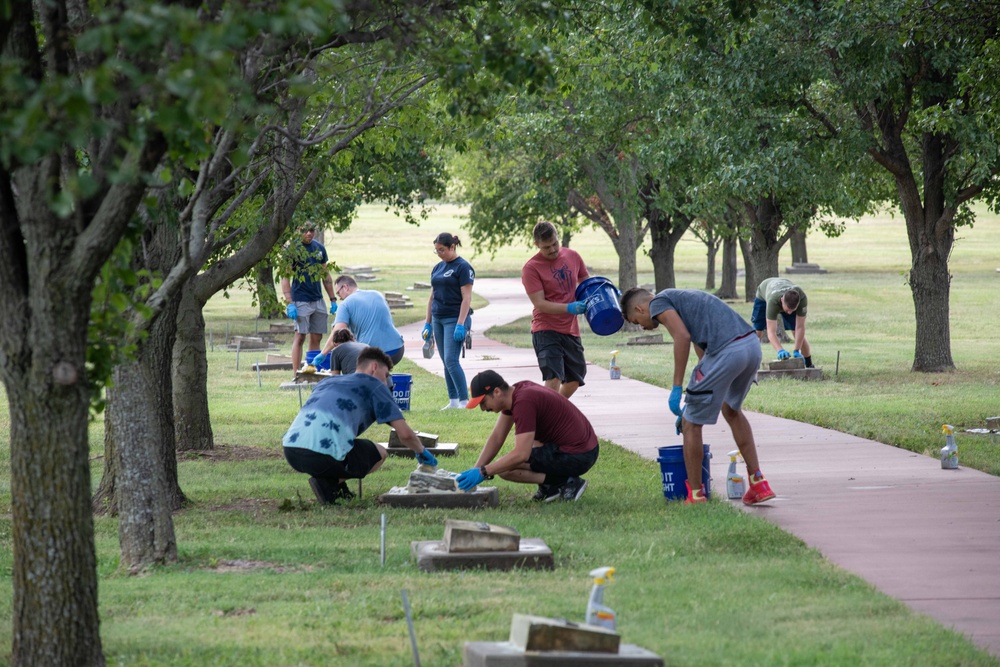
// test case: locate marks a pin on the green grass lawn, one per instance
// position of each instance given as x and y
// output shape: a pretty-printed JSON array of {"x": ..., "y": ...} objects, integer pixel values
[{"x": 266, "y": 577}]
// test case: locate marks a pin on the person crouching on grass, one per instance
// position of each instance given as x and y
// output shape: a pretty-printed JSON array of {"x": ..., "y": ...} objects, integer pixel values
[
  {"x": 554, "y": 443},
  {"x": 728, "y": 358},
  {"x": 323, "y": 441}
]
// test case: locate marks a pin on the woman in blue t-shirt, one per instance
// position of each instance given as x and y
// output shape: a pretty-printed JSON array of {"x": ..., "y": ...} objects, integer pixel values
[{"x": 448, "y": 309}]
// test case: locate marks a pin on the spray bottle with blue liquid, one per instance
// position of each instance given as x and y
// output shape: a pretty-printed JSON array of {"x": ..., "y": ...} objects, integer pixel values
[
  {"x": 613, "y": 369},
  {"x": 597, "y": 612}
]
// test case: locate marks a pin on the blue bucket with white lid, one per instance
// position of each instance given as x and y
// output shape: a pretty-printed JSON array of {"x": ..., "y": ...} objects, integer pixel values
[{"x": 604, "y": 313}]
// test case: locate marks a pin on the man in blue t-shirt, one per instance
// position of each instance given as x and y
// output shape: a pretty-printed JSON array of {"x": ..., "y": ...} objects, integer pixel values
[
  {"x": 323, "y": 439},
  {"x": 728, "y": 359},
  {"x": 366, "y": 314},
  {"x": 303, "y": 295}
]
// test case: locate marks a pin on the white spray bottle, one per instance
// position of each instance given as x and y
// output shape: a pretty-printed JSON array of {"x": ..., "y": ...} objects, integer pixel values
[
  {"x": 597, "y": 612},
  {"x": 735, "y": 486},
  {"x": 613, "y": 369},
  {"x": 949, "y": 453}
]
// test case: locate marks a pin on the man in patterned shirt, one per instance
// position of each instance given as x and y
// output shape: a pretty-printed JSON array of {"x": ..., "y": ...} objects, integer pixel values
[{"x": 323, "y": 440}]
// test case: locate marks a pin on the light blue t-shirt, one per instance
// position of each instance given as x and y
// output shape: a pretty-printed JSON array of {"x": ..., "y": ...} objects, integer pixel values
[
  {"x": 710, "y": 321},
  {"x": 340, "y": 409},
  {"x": 367, "y": 315}
]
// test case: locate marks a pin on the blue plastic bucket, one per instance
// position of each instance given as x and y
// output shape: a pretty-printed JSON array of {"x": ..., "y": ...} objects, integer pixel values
[
  {"x": 311, "y": 354},
  {"x": 401, "y": 383},
  {"x": 674, "y": 474},
  {"x": 604, "y": 314}
]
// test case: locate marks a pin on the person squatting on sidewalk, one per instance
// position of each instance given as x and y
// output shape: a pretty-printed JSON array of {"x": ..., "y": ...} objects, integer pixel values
[
  {"x": 554, "y": 443},
  {"x": 448, "y": 310},
  {"x": 728, "y": 358},
  {"x": 323, "y": 441}
]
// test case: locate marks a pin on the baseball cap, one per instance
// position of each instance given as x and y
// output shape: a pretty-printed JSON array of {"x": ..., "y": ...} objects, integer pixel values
[{"x": 484, "y": 383}]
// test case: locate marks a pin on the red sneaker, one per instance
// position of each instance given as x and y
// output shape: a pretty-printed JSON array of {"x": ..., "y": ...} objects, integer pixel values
[
  {"x": 695, "y": 496},
  {"x": 759, "y": 492}
]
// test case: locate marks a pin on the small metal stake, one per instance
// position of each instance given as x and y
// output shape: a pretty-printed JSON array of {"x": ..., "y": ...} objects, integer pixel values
[
  {"x": 211, "y": 343},
  {"x": 409, "y": 624},
  {"x": 836, "y": 371},
  {"x": 300, "y": 395},
  {"x": 383, "y": 539},
  {"x": 258, "y": 373},
  {"x": 227, "y": 333},
  {"x": 237, "y": 357}
]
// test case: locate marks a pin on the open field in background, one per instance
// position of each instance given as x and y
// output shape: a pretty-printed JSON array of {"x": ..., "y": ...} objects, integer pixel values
[{"x": 268, "y": 578}]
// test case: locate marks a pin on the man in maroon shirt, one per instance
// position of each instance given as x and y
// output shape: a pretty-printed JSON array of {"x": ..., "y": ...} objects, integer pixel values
[
  {"x": 550, "y": 279},
  {"x": 554, "y": 442}
]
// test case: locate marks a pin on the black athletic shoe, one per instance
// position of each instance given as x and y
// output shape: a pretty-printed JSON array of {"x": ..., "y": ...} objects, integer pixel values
[
  {"x": 344, "y": 493},
  {"x": 573, "y": 489},
  {"x": 324, "y": 494},
  {"x": 545, "y": 493}
]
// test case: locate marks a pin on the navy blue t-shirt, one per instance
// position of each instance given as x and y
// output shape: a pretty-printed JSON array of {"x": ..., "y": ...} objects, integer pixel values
[
  {"x": 305, "y": 285},
  {"x": 447, "y": 279}
]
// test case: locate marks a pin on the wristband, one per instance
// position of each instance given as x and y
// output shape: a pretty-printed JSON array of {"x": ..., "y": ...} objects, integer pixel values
[{"x": 482, "y": 471}]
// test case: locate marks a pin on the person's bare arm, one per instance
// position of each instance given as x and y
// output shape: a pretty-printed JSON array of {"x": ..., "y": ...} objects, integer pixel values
[
  {"x": 463, "y": 310},
  {"x": 772, "y": 335},
  {"x": 543, "y": 306},
  {"x": 523, "y": 443},
  {"x": 407, "y": 435},
  {"x": 286, "y": 289},
  {"x": 800, "y": 331},
  {"x": 682, "y": 342},
  {"x": 497, "y": 437}
]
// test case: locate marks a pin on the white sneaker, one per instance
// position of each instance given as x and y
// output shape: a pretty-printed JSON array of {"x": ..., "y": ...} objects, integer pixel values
[
  {"x": 452, "y": 405},
  {"x": 463, "y": 404}
]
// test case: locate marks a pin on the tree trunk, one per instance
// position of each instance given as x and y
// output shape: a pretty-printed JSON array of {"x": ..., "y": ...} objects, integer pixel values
[
  {"x": 105, "y": 502},
  {"x": 192, "y": 422},
  {"x": 145, "y": 524},
  {"x": 627, "y": 245},
  {"x": 760, "y": 252},
  {"x": 713, "y": 249},
  {"x": 55, "y": 567},
  {"x": 729, "y": 268},
  {"x": 268, "y": 307},
  {"x": 665, "y": 232},
  {"x": 797, "y": 240}
]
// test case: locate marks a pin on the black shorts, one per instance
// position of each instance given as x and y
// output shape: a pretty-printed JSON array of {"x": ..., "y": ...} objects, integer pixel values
[
  {"x": 559, "y": 356},
  {"x": 364, "y": 456},
  {"x": 549, "y": 460}
]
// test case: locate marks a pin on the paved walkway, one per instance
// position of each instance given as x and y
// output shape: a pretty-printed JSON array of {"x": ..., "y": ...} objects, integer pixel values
[{"x": 927, "y": 536}]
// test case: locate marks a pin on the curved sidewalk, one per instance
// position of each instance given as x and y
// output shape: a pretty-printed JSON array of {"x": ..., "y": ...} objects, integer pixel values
[{"x": 926, "y": 536}]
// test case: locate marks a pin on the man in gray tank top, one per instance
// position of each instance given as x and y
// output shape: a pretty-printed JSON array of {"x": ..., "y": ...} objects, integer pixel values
[{"x": 728, "y": 358}]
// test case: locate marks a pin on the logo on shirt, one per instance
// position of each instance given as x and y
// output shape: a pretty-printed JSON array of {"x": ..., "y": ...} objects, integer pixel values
[
  {"x": 448, "y": 273},
  {"x": 563, "y": 276}
]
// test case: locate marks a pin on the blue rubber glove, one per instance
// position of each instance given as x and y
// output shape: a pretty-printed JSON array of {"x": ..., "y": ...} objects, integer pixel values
[
  {"x": 576, "y": 308},
  {"x": 427, "y": 331},
  {"x": 333, "y": 307},
  {"x": 675, "y": 399},
  {"x": 292, "y": 311},
  {"x": 469, "y": 479},
  {"x": 678, "y": 424},
  {"x": 783, "y": 354},
  {"x": 797, "y": 354},
  {"x": 427, "y": 458},
  {"x": 459, "y": 333},
  {"x": 319, "y": 360}
]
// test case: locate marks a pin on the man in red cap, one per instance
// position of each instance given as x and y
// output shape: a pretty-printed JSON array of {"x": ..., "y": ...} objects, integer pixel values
[{"x": 554, "y": 443}]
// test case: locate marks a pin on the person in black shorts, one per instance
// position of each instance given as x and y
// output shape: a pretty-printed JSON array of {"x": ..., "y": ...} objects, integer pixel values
[
  {"x": 554, "y": 443},
  {"x": 323, "y": 441},
  {"x": 550, "y": 278}
]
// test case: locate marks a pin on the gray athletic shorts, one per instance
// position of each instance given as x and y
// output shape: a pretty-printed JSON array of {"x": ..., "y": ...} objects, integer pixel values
[
  {"x": 313, "y": 317},
  {"x": 722, "y": 377}
]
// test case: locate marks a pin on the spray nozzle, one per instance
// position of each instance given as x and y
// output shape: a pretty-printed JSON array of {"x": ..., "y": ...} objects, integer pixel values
[
  {"x": 948, "y": 429},
  {"x": 734, "y": 455},
  {"x": 603, "y": 574}
]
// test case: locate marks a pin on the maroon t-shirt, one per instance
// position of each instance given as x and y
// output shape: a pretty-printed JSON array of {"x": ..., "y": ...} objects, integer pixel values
[{"x": 552, "y": 417}]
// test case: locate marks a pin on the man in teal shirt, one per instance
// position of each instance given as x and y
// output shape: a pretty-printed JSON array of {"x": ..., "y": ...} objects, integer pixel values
[{"x": 781, "y": 296}]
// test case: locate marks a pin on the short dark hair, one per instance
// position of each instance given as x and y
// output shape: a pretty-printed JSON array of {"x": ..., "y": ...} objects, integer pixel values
[
  {"x": 373, "y": 353},
  {"x": 346, "y": 280},
  {"x": 446, "y": 239},
  {"x": 791, "y": 299},
  {"x": 342, "y": 336},
  {"x": 543, "y": 231},
  {"x": 631, "y": 295}
]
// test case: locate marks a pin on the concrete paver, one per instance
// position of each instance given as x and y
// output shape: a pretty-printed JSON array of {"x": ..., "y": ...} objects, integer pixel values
[{"x": 926, "y": 536}]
